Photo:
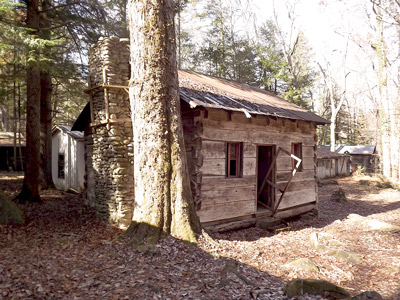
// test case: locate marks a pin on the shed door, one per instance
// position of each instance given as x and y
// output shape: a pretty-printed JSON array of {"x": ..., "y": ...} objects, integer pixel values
[{"x": 265, "y": 157}]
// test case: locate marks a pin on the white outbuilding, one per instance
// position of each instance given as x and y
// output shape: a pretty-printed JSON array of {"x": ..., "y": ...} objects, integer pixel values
[{"x": 68, "y": 158}]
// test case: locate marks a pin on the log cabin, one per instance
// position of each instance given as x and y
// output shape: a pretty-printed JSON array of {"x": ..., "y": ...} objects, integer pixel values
[{"x": 250, "y": 153}]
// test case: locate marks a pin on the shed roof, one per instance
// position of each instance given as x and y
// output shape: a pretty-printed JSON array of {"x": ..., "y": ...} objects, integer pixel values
[
  {"x": 7, "y": 139},
  {"x": 359, "y": 149},
  {"x": 78, "y": 135},
  {"x": 324, "y": 152},
  {"x": 207, "y": 91}
]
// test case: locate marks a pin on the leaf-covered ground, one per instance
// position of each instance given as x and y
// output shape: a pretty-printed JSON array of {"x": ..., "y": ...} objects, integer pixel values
[{"x": 64, "y": 252}]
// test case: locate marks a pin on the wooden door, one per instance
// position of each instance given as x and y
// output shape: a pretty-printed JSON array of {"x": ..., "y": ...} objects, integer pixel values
[{"x": 266, "y": 197}]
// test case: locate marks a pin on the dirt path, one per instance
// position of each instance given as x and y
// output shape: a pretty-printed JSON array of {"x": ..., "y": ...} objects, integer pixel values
[{"x": 66, "y": 253}]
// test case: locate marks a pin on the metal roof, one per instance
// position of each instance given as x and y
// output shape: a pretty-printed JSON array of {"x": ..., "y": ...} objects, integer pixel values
[
  {"x": 78, "y": 135},
  {"x": 359, "y": 149},
  {"x": 211, "y": 92},
  {"x": 7, "y": 139},
  {"x": 324, "y": 152},
  {"x": 207, "y": 91}
]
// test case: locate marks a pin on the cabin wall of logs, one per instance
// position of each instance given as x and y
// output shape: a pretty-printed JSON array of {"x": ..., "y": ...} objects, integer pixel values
[
  {"x": 218, "y": 199},
  {"x": 221, "y": 199}
]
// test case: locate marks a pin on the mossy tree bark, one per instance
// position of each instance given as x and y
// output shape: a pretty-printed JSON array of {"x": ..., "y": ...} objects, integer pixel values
[
  {"x": 163, "y": 198},
  {"x": 30, "y": 187}
]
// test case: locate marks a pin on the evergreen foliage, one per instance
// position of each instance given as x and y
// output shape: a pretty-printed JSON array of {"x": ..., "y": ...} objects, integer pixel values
[
  {"x": 271, "y": 59},
  {"x": 226, "y": 50}
]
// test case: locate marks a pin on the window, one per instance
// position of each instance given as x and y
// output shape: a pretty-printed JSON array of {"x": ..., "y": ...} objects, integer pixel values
[
  {"x": 61, "y": 164},
  {"x": 298, "y": 152},
  {"x": 234, "y": 159}
]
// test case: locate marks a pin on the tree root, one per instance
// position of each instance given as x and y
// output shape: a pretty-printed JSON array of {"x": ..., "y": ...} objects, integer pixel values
[
  {"x": 142, "y": 236},
  {"x": 26, "y": 196},
  {"x": 209, "y": 238}
]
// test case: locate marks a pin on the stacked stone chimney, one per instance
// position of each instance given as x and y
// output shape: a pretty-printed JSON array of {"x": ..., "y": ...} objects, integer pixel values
[{"x": 110, "y": 142}]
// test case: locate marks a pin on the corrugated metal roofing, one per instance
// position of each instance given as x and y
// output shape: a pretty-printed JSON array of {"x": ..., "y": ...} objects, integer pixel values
[
  {"x": 212, "y": 92},
  {"x": 7, "y": 139},
  {"x": 67, "y": 129},
  {"x": 359, "y": 149}
]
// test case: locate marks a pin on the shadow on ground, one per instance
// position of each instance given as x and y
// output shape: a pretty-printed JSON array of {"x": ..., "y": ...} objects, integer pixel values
[
  {"x": 65, "y": 252},
  {"x": 331, "y": 210},
  {"x": 362, "y": 199}
]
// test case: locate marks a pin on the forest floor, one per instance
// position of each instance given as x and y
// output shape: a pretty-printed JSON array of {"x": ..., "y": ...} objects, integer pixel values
[{"x": 65, "y": 252}]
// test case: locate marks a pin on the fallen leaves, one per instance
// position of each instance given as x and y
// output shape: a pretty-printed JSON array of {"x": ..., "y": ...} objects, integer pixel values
[{"x": 65, "y": 252}]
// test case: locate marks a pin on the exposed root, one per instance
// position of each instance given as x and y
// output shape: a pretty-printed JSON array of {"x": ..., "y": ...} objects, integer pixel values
[
  {"x": 26, "y": 196},
  {"x": 209, "y": 238},
  {"x": 142, "y": 235}
]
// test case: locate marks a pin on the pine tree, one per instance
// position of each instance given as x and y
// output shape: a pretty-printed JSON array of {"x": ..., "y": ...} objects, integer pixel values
[
  {"x": 271, "y": 59},
  {"x": 30, "y": 187}
]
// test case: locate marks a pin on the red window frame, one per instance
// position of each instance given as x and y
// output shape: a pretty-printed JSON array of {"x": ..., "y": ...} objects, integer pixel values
[
  {"x": 297, "y": 150},
  {"x": 237, "y": 158}
]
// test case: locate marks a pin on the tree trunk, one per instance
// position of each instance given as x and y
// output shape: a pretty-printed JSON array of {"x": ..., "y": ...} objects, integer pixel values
[
  {"x": 333, "y": 133},
  {"x": 21, "y": 161},
  {"x": 333, "y": 116},
  {"x": 45, "y": 126},
  {"x": 30, "y": 187},
  {"x": 384, "y": 117},
  {"x": 163, "y": 198},
  {"x": 178, "y": 32},
  {"x": 397, "y": 112},
  {"x": 4, "y": 116},
  {"x": 45, "y": 107},
  {"x": 15, "y": 123}
]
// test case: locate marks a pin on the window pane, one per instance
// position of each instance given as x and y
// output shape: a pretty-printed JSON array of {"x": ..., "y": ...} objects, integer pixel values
[
  {"x": 233, "y": 159},
  {"x": 297, "y": 151},
  {"x": 232, "y": 151},
  {"x": 232, "y": 168},
  {"x": 61, "y": 164}
]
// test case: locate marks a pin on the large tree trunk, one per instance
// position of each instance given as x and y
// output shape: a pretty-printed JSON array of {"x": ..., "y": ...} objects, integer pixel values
[
  {"x": 163, "y": 199},
  {"x": 384, "y": 117},
  {"x": 15, "y": 124},
  {"x": 45, "y": 107},
  {"x": 30, "y": 187},
  {"x": 45, "y": 124},
  {"x": 21, "y": 161}
]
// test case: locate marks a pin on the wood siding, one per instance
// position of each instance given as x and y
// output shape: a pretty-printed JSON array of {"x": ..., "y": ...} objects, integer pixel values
[
  {"x": 74, "y": 162},
  {"x": 332, "y": 167},
  {"x": 227, "y": 198}
]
